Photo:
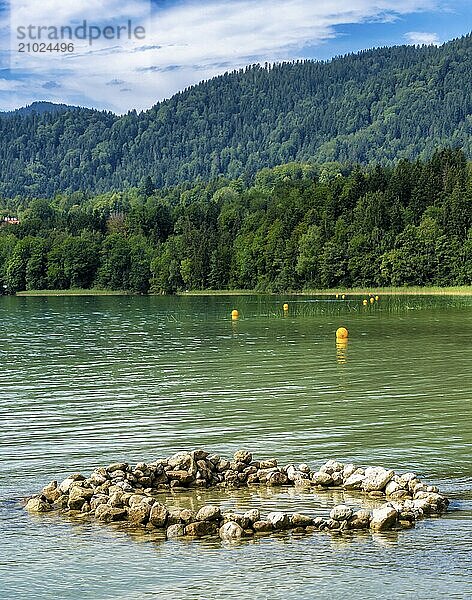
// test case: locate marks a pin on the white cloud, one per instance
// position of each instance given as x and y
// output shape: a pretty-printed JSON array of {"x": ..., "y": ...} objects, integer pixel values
[
  {"x": 7, "y": 85},
  {"x": 185, "y": 43},
  {"x": 422, "y": 37}
]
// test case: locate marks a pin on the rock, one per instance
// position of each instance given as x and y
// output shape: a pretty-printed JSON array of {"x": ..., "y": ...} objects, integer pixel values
[
  {"x": 298, "y": 520},
  {"x": 407, "y": 477},
  {"x": 62, "y": 501},
  {"x": 38, "y": 504},
  {"x": 376, "y": 478},
  {"x": 238, "y": 518},
  {"x": 107, "y": 514},
  {"x": 302, "y": 484},
  {"x": 187, "y": 515},
  {"x": 399, "y": 495},
  {"x": 323, "y": 479},
  {"x": 279, "y": 520},
  {"x": 360, "y": 520},
  {"x": 209, "y": 513},
  {"x": 243, "y": 456},
  {"x": 383, "y": 518},
  {"x": 118, "y": 475},
  {"x": 139, "y": 513},
  {"x": 354, "y": 482},
  {"x": 253, "y": 515},
  {"x": 175, "y": 531},
  {"x": 97, "y": 479},
  {"x": 97, "y": 500},
  {"x": 223, "y": 465},
  {"x": 252, "y": 479},
  {"x": 65, "y": 485},
  {"x": 277, "y": 478},
  {"x": 125, "y": 486},
  {"x": 231, "y": 477},
  {"x": 158, "y": 515},
  {"x": 201, "y": 528},
  {"x": 135, "y": 499},
  {"x": 304, "y": 468},
  {"x": 76, "y": 503},
  {"x": 262, "y": 526},
  {"x": 391, "y": 487},
  {"x": 51, "y": 492},
  {"x": 182, "y": 460},
  {"x": 182, "y": 477},
  {"x": 430, "y": 502},
  {"x": 117, "y": 467},
  {"x": 318, "y": 522},
  {"x": 76, "y": 491},
  {"x": 231, "y": 531},
  {"x": 331, "y": 466},
  {"x": 201, "y": 455},
  {"x": 268, "y": 464},
  {"x": 332, "y": 524},
  {"x": 173, "y": 516},
  {"x": 115, "y": 500},
  {"x": 348, "y": 471},
  {"x": 341, "y": 513}
]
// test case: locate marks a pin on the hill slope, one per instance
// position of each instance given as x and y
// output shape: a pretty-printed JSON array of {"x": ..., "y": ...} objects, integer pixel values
[{"x": 380, "y": 104}]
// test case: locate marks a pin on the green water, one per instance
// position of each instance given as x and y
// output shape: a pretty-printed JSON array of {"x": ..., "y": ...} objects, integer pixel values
[{"x": 85, "y": 381}]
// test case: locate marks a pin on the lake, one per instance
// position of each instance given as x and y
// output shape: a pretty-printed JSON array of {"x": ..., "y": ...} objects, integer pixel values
[{"x": 86, "y": 381}]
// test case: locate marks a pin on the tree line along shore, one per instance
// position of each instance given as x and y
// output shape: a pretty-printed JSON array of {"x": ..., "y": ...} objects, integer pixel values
[{"x": 295, "y": 227}]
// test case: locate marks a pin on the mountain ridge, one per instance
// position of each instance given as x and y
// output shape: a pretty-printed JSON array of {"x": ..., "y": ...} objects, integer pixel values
[
  {"x": 377, "y": 105},
  {"x": 39, "y": 107}
]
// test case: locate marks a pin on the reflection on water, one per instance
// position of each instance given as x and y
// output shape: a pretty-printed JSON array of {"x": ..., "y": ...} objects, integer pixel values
[
  {"x": 87, "y": 381},
  {"x": 341, "y": 351}
]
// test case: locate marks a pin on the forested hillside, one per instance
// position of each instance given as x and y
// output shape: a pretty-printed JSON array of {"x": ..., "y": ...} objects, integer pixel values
[
  {"x": 292, "y": 227},
  {"x": 378, "y": 105}
]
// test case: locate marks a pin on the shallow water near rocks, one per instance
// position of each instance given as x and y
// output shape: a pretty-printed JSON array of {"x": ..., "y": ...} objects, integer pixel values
[{"x": 86, "y": 381}]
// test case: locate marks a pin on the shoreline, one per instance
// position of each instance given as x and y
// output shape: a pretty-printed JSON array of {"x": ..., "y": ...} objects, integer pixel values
[
  {"x": 393, "y": 291},
  {"x": 76, "y": 292},
  {"x": 390, "y": 291}
]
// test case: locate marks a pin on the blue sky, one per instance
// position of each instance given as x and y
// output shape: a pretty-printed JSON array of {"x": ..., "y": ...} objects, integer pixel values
[{"x": 187, "y": 41}]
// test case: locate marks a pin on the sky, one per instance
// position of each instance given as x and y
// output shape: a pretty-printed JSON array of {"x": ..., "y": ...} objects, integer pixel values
[{"x": 164, "y": 46}]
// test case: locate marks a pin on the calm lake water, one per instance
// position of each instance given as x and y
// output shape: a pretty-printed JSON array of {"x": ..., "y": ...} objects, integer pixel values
[{"x": 85, "y": 381}]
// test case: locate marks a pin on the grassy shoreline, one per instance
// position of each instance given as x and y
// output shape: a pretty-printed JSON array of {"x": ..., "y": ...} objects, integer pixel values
[
  {"x": 465, "y": 290},
  {"x": 73, "y": 292},
  {"x": 392, "y": 291}
]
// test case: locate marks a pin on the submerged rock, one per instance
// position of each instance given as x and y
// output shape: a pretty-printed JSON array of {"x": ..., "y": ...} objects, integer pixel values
[
  {"x": 341, "y": 512},
  {"x": 231, "y": 531},
  {"x": 175, "y": 531},
  {"x": 201, "y": 528},
  {"x": 38, "y": 504}
]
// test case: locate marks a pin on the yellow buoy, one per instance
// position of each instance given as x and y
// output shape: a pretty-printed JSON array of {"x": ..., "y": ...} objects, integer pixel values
[
  {"x": 377, "y": 298},
  {"x": 372, "y": 299},
  {"x": 285, "y": 307},
  {"x": 364, "y": 302},
  {"x": 337, "y": 295},
  {"x": 343, "y": 296},
  {"x": 234, "y": 314},
  {"x": 342, "y": 333}
]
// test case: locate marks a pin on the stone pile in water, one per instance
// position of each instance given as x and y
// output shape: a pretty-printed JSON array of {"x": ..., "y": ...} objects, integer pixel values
[{"x": 122, "y": 493}]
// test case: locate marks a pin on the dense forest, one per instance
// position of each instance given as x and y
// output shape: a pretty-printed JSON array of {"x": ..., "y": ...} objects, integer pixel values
[
  {"x": 290, "y": 227},
  {"x": 379, "y": 105}
]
